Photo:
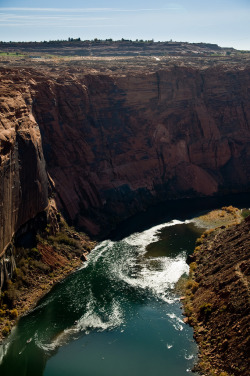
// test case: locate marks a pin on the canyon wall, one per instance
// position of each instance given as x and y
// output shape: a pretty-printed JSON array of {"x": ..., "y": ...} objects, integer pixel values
[
  {"x": 23, "y": 178},
  {"x": 116, "y": 141},
  {"x": 217, "y": 300}
]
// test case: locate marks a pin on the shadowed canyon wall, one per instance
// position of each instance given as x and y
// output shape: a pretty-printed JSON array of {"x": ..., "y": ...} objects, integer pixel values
[
  {"x": 23, "y": 178},
  {"x": 116, "y": 142}
]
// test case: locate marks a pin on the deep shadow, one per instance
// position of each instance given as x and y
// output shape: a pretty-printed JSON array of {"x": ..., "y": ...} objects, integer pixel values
[{"x": 178, "y": 209}]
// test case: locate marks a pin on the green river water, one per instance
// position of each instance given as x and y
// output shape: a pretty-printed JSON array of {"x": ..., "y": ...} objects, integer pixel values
[{"x": 118, "y": 315}]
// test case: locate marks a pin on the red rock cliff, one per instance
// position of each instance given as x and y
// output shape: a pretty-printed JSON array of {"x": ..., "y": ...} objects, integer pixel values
[
  {"x": 217, "y": 300},
  {"x": 114, "y": 143},
  {"x": 23, "y": 182}
]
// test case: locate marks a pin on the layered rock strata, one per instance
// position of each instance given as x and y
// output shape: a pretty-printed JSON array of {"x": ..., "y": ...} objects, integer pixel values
[
  {"x": 23, "y": 178},
  {"x": 7, "y": 266},
  {"x": 112, "y": 48},
  {"x": 217, "y": 303},
  {"x": 116, "y": 141}
]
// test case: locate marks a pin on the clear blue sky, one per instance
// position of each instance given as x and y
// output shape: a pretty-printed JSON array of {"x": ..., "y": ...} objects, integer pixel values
[{"x": 225, "y": 22}]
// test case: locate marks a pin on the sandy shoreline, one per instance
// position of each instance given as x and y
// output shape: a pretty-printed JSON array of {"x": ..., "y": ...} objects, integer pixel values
[{"x": 225, "y": 216}]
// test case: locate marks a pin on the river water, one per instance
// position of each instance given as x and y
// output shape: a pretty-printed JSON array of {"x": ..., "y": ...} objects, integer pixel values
[{"x": 119, "y": 314}]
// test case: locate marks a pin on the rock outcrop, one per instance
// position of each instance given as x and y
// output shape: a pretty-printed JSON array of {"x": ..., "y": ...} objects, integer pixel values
[
  {"x": 218, "y": 298},
  {"x": 23, "y": 178},
  {"x": 118, "y": 140},
  {"x": 7, "y": 266}
]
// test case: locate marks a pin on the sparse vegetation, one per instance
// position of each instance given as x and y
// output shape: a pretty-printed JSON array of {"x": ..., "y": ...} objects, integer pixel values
[
  {"x": 40, "y": 265},
  {"x": 37, "y": 268},
  {"x": 199, "y": 241},
  {"x": 11, "y": 54},
  {"x": 34, "y": 254},
  {"x": 216, "y": 308},
  {"x": 6, "y": 330},
  {"x": 230, "y": 209},
  {"x": 188, "y": 309},
  {"x": 192, "y": 267},
  {"x": 226, "y": 216},
  {"x": 192, "y": 285},
  {"x": 197, "y": 249},
  {"x": 98, "y": 47},
  {"x": 13, "y": 313},
  {"x": 206, "y": 309},
  {"x": 63, "y": 238},
  {"x": 245, "y": 213}
]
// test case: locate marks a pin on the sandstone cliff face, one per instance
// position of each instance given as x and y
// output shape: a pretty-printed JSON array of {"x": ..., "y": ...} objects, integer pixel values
[
  {"x": 117, "y": 142},
  {"x": 23, "y": 179}
]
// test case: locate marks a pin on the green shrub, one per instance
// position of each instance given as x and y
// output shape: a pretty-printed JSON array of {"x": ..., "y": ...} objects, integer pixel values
[
  {"x": 35, "y": 254},
  {"x": 199, "y": 241},
  {"x": 192, "y": 267},
  {"x": 197, "y": 249},
  {"x": 245, "y": 213},
  {"x": 188, "y": 309},
  {"x": 5, "y": 331},
  {"x": 23, "y": 262},
  {"x": 18, "y": 275},
  {"x": 2, "y": 313},
  {"x": 192, "y": 285},
  {"x": 62, "y": 238},
  {"x": 13, "y": 313},
  {"x": 206, "y": 309},
  {"x": 10, "y": 296},
  {"x": 40, "y": 265},
  {"x": 229, "y": 209},
  {"x": 207, "y": 232}
]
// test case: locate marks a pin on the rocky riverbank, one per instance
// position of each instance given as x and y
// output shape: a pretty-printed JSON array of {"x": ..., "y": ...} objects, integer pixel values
[
  {"x": 217, "y": 300},
  {"x": 226, "y": 216},
  {"x": 58, "y": 252}
]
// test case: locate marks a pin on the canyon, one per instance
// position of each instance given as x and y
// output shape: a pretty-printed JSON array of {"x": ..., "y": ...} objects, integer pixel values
[
  {"x": 104, "y": 138},
  {"x": 109, "y": 138}
]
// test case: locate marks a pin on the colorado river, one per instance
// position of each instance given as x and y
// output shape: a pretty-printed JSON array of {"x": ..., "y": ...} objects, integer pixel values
[
  {"x": 119, "y": 311},
  {"x": 119, "y": 314}
]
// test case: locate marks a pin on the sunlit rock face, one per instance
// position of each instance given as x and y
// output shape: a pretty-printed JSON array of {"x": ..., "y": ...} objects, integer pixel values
[
  {"x": 23, "y": 182},
  {"x": 116, "y": 142}
]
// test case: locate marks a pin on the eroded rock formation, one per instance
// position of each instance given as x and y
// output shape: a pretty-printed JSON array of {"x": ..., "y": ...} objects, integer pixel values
[
  {"x": 116, "y": 141},
  {"x": 23, "y": 178},
  {"x": 218, "y": 303}
]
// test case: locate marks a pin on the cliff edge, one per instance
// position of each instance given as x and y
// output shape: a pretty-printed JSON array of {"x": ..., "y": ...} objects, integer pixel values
[
  {"x": 23, "y": 176},
  {"x": 121, "y": 135}
]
